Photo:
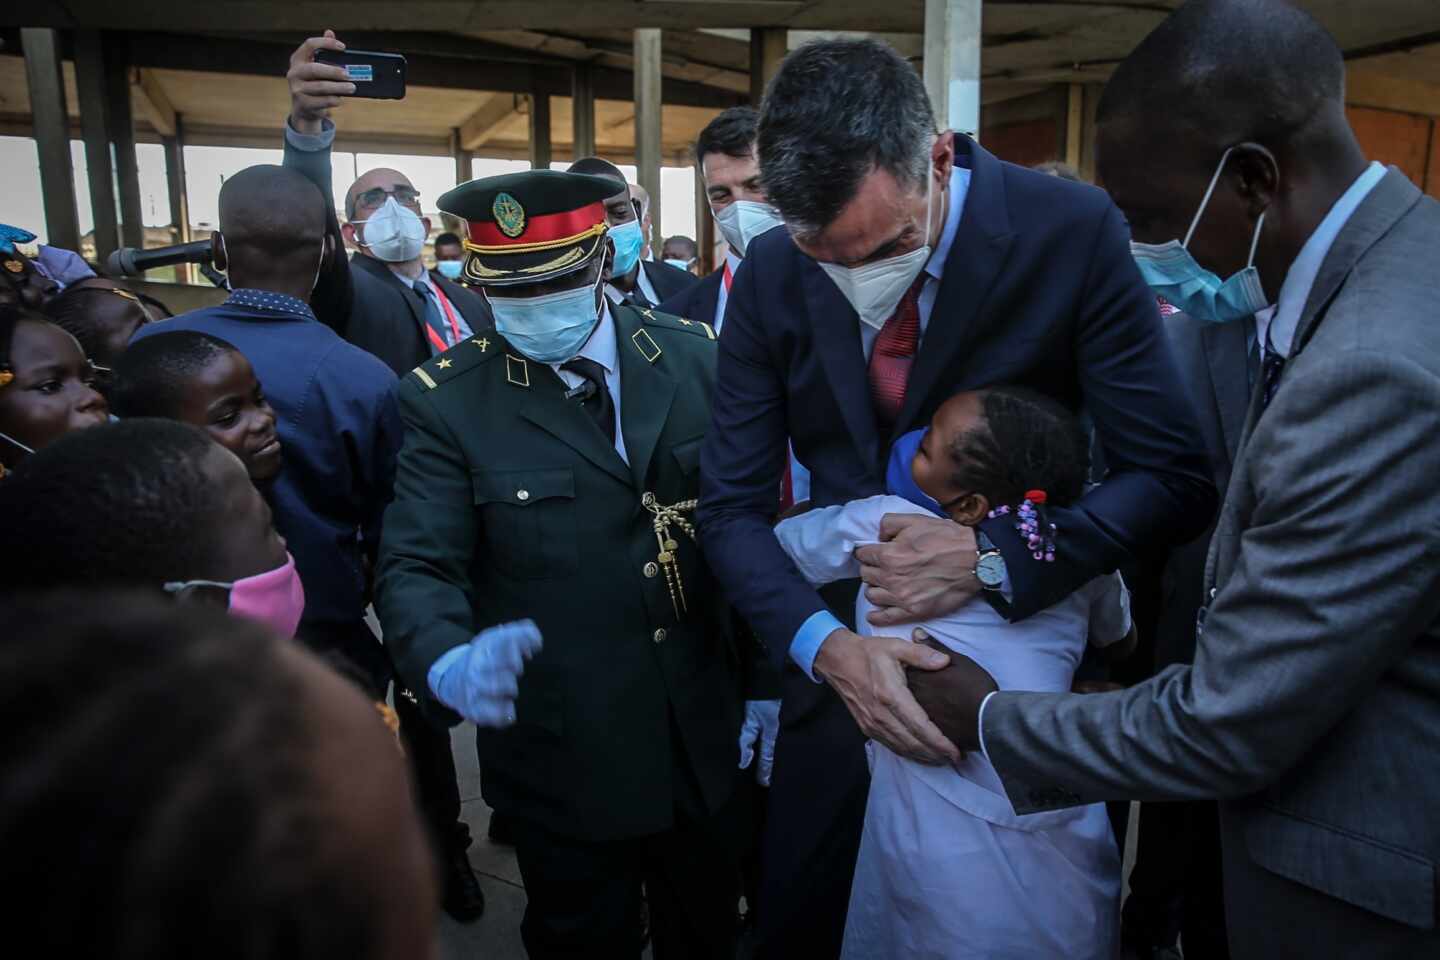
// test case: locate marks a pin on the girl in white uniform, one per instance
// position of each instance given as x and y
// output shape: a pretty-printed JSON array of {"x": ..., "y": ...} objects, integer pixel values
[{"x": 946, "y": 868}]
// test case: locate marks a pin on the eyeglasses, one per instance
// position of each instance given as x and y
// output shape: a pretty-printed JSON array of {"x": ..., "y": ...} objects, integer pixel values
[{"x": 376, "y": 196}]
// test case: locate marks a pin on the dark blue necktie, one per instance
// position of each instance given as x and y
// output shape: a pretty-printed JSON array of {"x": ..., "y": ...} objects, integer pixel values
[
  {"x": 433, "y": 318},
  {"x": 1272, "y": 364}
]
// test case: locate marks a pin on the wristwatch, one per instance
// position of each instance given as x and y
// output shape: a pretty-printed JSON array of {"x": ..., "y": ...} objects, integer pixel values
[{"x": 990, "y": 567}]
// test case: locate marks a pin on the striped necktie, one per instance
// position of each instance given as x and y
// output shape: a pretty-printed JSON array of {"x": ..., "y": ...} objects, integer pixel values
[{"x": 894, "y": 354}]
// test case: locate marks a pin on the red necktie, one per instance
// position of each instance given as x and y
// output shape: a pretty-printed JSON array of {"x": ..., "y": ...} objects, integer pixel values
[{"x": 894, "y": 354}]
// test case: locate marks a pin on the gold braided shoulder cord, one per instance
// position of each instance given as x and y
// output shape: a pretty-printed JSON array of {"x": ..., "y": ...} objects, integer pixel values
[{"x": 669, "y": 562}]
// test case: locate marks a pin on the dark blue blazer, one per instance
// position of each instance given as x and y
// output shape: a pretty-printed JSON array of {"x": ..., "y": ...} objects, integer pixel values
[
  {"x": 1039, "y": 290},
  {"x": 697, "y": 301}
]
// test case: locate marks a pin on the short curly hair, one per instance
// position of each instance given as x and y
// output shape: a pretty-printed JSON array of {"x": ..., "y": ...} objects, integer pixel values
[{"x": 121, "y": 504}]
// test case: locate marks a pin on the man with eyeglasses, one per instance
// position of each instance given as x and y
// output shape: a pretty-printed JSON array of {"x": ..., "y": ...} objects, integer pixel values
[{"x": 382, "y": 299}]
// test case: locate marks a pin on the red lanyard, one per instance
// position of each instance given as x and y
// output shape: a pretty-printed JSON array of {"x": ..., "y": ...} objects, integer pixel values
[
  {"x": 435, "y": 341},
  {"x": 728, "y": 278}
]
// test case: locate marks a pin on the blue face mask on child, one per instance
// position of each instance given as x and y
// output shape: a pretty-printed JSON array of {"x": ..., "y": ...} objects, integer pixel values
[
  {"x": 899, "y": 478},
  {"x": 629, "y": 241}
]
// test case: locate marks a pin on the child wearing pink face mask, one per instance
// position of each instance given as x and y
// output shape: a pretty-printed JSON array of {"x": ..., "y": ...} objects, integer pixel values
[{"x": 150, "y": 504}]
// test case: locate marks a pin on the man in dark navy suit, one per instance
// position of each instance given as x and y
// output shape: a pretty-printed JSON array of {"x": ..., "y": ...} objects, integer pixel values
[
  {"x": 915, "y": 265},
  {"x": 725, "y": 154}
]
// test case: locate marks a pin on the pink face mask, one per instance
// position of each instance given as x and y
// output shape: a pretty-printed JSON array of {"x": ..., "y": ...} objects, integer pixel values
[{"x": 275, "y": 598}]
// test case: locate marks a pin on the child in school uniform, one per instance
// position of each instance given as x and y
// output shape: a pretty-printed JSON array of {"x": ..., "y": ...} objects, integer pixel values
[
  {"x": 947, "y": 869},
  {"x": 204, "y": 381}
]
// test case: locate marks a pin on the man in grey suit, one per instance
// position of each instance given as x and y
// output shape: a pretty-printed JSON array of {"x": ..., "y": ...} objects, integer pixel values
[
  {"x": 1175, "y": 884},
  {"x": 1313, "y": 705}
]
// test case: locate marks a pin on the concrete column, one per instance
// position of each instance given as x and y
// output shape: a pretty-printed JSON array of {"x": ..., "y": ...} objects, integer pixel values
[
  {"x": 952, "y": 63},
  {"x": 1074, "y": 123},
  {"x": 539, "y": 131},
  {"x": 51, "y": 124},
  {"x": 582, "y": 102},
  {"x": 464, "y": 159},
  {"x": 647, "y": 123},
  {"x": 121, "y": 127},
  {"x": 767, "y": 49},
  {"x": 95, "y": 130},
  {"x": 179, "y": 196}
]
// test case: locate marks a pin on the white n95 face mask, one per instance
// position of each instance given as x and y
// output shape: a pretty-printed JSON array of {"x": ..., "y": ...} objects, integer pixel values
[
  {"x": 393, "y": 233},
  {"x": 743, "y": 221},
  {"x": 875, "y": 289}
]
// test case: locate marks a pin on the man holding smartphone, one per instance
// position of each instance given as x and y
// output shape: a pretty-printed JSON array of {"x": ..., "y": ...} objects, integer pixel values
[{"x": 384, "y": 301}]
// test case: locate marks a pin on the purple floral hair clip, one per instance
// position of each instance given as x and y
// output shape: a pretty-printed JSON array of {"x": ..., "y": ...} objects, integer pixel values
[{"x": 1032, "y": 524}]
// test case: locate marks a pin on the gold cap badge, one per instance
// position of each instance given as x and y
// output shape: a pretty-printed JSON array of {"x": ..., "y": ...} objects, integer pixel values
[{"x": 509, "y": 215}]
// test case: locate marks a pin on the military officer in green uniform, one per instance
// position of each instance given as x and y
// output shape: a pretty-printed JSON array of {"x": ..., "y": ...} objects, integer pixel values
[{"x": 549, "y": 473}]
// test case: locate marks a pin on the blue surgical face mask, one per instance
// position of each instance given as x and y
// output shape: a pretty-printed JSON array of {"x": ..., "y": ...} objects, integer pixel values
[
  {"x": 1172, "y": 273},
  {"x": 629, "y": 241},
  {"x": 679, "y": 264},
  {"x": 450, "y": 269},
  {"x": 548, "y": 329},
  {"x": 900, "y": 477}
]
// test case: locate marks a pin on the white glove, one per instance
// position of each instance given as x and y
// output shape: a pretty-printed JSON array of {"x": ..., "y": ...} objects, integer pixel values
[
  {"x": 480, "y": 680},
  {"x": 762, "y": 722}
]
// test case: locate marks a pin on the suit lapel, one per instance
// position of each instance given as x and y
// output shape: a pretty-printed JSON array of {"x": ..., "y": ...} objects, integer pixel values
[
  {"x": 407, "y": 294},
  {"x": 1227, "y": 351},
  {"x": 546, "y": 407},
  {"x": 837, "y": 339},
  {"x": 646, "y": 392},
  {"x": 1391, "y": 199},
  {"x": 977, "y": 254}
]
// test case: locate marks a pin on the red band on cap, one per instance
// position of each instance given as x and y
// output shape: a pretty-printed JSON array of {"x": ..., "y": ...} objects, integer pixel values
[
  {"x": 542, "y": 230},
  {"x": 1035, "y": 496}
]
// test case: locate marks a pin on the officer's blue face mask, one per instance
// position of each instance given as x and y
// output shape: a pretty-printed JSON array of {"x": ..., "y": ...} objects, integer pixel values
[
  {"x": 629, "y": 241},
  {"x": 552, "y": 328},
  {"x": 1172, "y": 273}
]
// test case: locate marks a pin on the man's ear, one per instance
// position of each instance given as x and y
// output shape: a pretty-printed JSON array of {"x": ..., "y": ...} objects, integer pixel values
[
  {"x": 1256, "y": 174},
  {"x": 942, "y": 157},
  {"x": 351, "y": 237},
  {"x": 218, "y": 255},
  {"x": 970, "y": 509},
  {"x": 426, "y": 221}
]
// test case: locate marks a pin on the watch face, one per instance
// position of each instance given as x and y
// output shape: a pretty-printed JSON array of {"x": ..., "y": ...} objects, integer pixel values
[{"x": 991, "y": 570}]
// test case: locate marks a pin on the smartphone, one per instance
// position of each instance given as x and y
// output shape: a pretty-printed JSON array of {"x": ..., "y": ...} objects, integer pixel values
[{"x": 377, "y": 76}]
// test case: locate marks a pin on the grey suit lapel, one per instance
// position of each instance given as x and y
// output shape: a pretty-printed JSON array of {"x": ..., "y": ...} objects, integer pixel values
[{"x": 1392, "y": 198}]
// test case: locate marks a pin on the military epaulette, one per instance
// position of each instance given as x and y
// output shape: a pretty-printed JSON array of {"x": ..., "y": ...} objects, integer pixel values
[
  {"x": 464, "y": 356},
  {"x": 666, "y": 321}
]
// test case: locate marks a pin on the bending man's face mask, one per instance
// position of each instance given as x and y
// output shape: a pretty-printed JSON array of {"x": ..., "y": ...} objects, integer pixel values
[
  {"x": 875, "y": 289},
  {"x": 393, "y": 233},
  {"x": 1174, "y": 274}
]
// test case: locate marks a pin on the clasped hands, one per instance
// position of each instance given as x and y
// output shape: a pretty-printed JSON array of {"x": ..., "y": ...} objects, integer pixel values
[{"x": 916, "y": 698}]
